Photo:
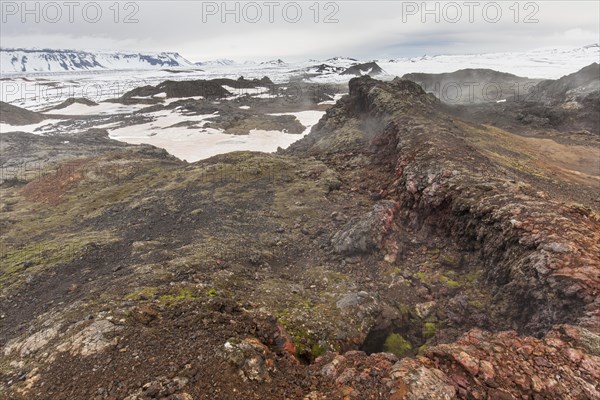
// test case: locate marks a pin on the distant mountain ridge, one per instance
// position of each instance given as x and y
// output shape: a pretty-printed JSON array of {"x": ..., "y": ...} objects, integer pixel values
[
  {"x": 19, "y": 60},
  {"x": 220, "y": 61},
  {"x": 545, "y": 63}
]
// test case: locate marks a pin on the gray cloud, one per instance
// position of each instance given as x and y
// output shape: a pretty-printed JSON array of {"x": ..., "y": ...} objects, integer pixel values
[{"x": 369, "y": 29}]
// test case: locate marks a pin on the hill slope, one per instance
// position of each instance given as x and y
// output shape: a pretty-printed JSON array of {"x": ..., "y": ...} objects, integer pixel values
[
  {"x": 568, "y": 105},
  {"x": 393, "y": 226}
]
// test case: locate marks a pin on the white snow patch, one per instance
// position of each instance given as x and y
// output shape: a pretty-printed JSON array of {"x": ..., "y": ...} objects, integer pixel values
[
  {"x": 162, "y": 119},
  {"x": 201, "y": 143},
  {"x": 265, "y": 96},
  {"x": 237, "y": 92},
  {"x": 102, "y": 108},
  {"x": 174, "y": 99},
  {"x": 43, "y": 127}
]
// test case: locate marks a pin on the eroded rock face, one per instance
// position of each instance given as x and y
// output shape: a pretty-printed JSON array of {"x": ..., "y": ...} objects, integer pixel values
[
  {"x": 555, "y": 367},
  {"x": 82, "y": 338},
  {"x": 416, "y": 382},
  {"x": 479, "y": 365},
  {"x": 542, "y": 253},
  {"x": 91, "y": 339},
  {"x": 32, "y": 343},
  {"x": 251, "y": 357},
  {"x": 366, "y": 234},
  {"x": 539, "y": 252}
]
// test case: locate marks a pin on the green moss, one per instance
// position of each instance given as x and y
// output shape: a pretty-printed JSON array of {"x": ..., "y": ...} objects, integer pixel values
[
  {"x": 434, "y": 251},
  {"x": 404, "y": 309},
  {"x": 211, "y": 292},
  {"x": 429, "y": 329},
  {"x": 422, "y": 349},
  {"x": 397, "y": 345},
  {"x": 450, "y": 259},
  {"x": 452, "y": 284},
  {"x": 305, "y": 343},
  {"x": 472, "y": 276},
  {"x": 420, "y": 276},
  {"x": 183, "y": 294},
  {"x": 301, "y": 341},
  {"x": 477, "y": 304},
  {"x": 449, "y": 282},
  {"x": 317, "y": 350}
]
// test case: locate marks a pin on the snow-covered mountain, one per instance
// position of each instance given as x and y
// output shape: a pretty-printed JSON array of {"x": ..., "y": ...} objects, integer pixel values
[
  {"x": 341, "y": 60},
  {"x": 545, "y": 63},
  {"x": 548, "y": 63},
  {"x": 220, "y": 61},
  {"x": 279, "y": 61},
  {"x": 48, "y": 60}
]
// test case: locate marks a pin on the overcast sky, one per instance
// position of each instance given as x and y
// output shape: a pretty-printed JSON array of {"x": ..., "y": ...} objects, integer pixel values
[{"x": 300, "y": 30}]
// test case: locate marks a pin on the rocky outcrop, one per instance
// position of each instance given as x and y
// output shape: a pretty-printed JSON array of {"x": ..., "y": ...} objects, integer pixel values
[
  {"x": 241, "y": 123},
  {"x": 73, "y": 100},
  {"x": 252, "y": 359},
  {"x": 472, "y": 86},
  {"x": 325, "y": 69},
  {"x": 368, "y": 233},
  {"x": 480, "y": 365},
  {"x": 541, "y": 255},
  {"x": 212, "y": 88},
  {"x": 569, "y": 88},
  {"x": 370, "y": 68},
  {"x": 568, "y": 105},
  {"x": 356, "y": 121}
]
